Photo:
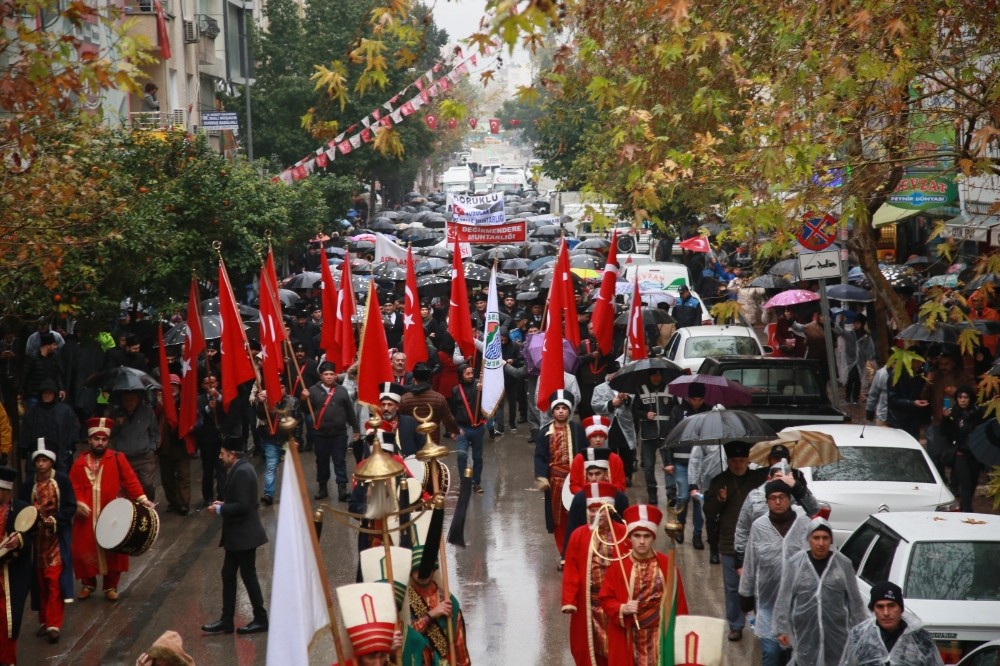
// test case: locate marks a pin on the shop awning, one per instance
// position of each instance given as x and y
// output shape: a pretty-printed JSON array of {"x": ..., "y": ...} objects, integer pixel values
[
  {"x": 971, "y": 227},
  {"x": 889, "y": 214}
]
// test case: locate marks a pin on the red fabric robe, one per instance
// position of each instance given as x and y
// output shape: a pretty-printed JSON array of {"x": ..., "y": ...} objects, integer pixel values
[
  {"x": 583, "y": 577},
  {"x": 113, "y": 476},
  {"x": 622, "y": 633},
  {"x": 578, "y": 473}
]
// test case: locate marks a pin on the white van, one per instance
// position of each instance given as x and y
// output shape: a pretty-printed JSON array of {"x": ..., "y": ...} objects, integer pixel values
[{"x": 666, "y": 276}]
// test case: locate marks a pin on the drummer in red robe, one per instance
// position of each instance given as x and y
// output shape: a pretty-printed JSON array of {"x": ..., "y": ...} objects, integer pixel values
[
  {"x": 596, "y": 428},
  {"x": 98, "y": 477},
  {"x": 642, "y": 596},
  {"x": 592, "y": 549},
  {"x": 554, "y": 450}
]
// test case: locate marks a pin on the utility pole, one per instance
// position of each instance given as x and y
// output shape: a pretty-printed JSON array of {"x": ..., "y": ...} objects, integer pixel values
[{"x": 245, "y": 43}]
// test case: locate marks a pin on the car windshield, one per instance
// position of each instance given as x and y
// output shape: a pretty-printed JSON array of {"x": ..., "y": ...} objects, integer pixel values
[
  {"x": 877, "y": 463},
  {"x": 954, "y": 570},
  {"x": 720, "y": 345},
  {"x": 783, "y": 381}
]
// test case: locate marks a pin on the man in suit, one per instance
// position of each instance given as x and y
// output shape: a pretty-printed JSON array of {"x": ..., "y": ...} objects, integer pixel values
[{"x": 242, "y": 535}]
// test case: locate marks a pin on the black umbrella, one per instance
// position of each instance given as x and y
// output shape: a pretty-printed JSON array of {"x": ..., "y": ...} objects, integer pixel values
[
  {"x": 430, "y": 265},
  {"x": 420, "y": 236},
  {"x": 359, "y": 282},
  {"x": 848, "y": 292},
  {"x": 650, "y": 317},
  {"x": 786, "y": 267},
  {"x": 210, "y": 306},
  {"x": 633, "y": 375},
  {"x": 435, "y": 221},
  {"x": 586, "y": 261},
  {"x": 718, "y": 427},
  {"x": 306, "y": 280},
  {"x": 548, "y": 232},
  {"x": 770, "y": 282},
  {"x": 383, "y": 225},
  {"x": 542, "y": 279},
  {"x": 288, "y": 297},
  {"x": 594, "y": 244},
  {"x": 475, "y": 272},
  {"x": 361, "y": 265},
  {"x": 499, "y": 253},
  {"x": 536, "y": 250},
  {"x": 507, "y": 280},
  {"x": 940, "y": 333},
  {"x": 976, "y": 283},
  {"x": 122, "y": 378},
  {"x": 917, "y": 261},
  {"x": 515, "y": 264},
  {"x": 525, "y": 296},
  {"x": 438, "y": 252},
  {"x": 389, "y": 270},
  {"x": 433, "y": 285},
  {"x": 984, "y": 442},
  {"x": 211, "y": 327},
  {"x": 361, "y": 246}
]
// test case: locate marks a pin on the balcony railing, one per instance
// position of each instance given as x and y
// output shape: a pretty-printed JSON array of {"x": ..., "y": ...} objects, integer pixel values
[{"x": 157, "y": 120}]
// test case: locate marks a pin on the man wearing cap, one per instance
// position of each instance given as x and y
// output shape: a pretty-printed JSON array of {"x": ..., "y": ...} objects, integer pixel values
[
  {"x": 723, "y": 501},
  {"x": 755, "y": 505},
  {"x": 99, "y": 476},
  {"x": 53, "y": 420},
  {"x": 651, "y": 408},
  {"x": 634, "y": 594},
  {"x": 893, "y": 637},
  {"x": 471, "y": 424},
  {"x": 52, "y": 495},
  {"x": 598, "y": 454},
  {"x": 392, "y": 321},
  {"x": 421, "y": 397},
  {"x": 592, "y": 548},
  {"x": 398, "y": 430},
  {"x": 676, "y": 463},
  {"x": 687, "y": 309},
  {"x": 41, "y": 367},
  {"x": 242, "y": 535},
  {"x": 818, "y": 601},
  {"x": 555, "y": 448},
  {"x": 334, "y": 412},
  {"x": 136, "y": 435},
  {"x": 15, "y": 571},
  {"x": 427, "y": 613},
  {"x": 479, "y": 302},
  {"x": 208, "y": 433},
  {"x": 774, "y": 538},
  {"x": 175, "y": 459}
]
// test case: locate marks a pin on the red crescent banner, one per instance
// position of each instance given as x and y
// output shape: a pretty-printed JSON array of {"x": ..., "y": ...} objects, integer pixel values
[{"x": 514, "y": 232}]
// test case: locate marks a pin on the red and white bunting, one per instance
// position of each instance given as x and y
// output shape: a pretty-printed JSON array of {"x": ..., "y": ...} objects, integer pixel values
[
  {"x": 355, "y": 141},
  {"x": 366, "y": 135}
]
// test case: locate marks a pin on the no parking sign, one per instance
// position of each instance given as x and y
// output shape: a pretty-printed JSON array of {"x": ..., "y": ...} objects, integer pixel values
[{"x": 817, "y": 233}]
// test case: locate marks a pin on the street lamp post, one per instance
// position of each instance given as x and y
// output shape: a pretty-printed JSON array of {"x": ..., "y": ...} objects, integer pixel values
[{"x": 245, "y": 44}]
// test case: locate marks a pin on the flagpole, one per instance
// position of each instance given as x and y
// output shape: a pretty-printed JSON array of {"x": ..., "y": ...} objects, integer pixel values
[{"x": 293, "y": 451}]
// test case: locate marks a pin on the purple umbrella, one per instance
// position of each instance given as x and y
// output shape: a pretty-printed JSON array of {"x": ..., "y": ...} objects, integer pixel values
[
  {"x": 533, "y": 353},
  {"x": 718, "y": 390},
  {"x": 792, "y": 297}
]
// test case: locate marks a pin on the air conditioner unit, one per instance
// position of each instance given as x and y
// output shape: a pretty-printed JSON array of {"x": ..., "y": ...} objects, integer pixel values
[
  {"x": 208, "y": 27},
  {"x": 190, "y": 32}
]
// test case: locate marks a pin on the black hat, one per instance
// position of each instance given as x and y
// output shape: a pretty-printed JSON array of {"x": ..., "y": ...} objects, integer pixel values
[
  {"x": 480, "y": 297},
  {"x": 737, "y": 449},
  {"x": 777, "y": 486},
  {"x": 390, "y": 391},
  {"x": 596, "y": 457},
  {"x": 503, "y": 330},
  {"x": 7, "y": 477},
  {"x": 683, "y": 288},
  {"x": 49, "y": 339},
  {"x": 779, "y": 451},
  {"x": 425, "y": 302},
  {"x": 612, "y": 366},
  {"x": 326, "y": 366},
  {"x": 130, "y": 340},
  {"x": 860, "y": 318},
  {"x": 234, "y": 444},
  {"x": 421, "y": 372},
  {"x": 561, "y": 397},
  {"x": 299, "y": 346},
  {"x": 885, "y": 591},
  {"x": 696, "y": 390},
  {"x": 48, "y": 385},
  {"x": 520, "y": 314}
]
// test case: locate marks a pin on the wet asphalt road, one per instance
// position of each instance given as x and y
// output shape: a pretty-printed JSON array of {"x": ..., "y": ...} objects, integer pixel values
[{"x": 505, "y": 579}]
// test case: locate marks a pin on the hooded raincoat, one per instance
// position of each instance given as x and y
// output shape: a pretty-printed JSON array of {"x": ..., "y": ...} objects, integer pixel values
[
  {"x": 767, "y": 552},
  {"x": 914, "y": 648},
  {"x": 817, "y": 612}
]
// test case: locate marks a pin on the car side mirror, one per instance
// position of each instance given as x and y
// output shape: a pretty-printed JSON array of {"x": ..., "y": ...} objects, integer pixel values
[{"x": 768, "y": 350}]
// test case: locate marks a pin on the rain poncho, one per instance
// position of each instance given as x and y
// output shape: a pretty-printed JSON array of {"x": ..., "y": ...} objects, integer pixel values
[
  {"x": 706, "y": 463},
  {"x": 755, "y": 506},
  {"x": 764, "y": 562},
  {"x": 914, "y": 648},
  {"x": 816, "y": 613}
]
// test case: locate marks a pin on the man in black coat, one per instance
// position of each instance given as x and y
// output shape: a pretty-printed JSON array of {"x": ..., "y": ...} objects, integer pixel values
[
  {"x": 242, "y": 535},
  {"x": 15, "y": 571},
  {"x": 334, "y": 412}
]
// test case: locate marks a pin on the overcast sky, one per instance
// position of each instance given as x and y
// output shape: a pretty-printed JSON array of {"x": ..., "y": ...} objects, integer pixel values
[{"x": 460, "y": 18}]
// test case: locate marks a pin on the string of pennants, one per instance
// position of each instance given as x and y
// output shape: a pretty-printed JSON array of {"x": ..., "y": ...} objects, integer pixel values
[
  {"x": 378, "y": 120},
  {"x": 434, "y": 123}
]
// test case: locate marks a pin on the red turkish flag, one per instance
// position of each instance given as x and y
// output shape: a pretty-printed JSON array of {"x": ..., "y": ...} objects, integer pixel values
[
  {"x": 514, "y": 122},
  {"x": 233, "y": 352},
  {"x": 452, "y": 123},
  {"x": 473, "y": 122},
  {"x": 162, "y": 34},
  {"x": 272, "y": 332},
  {"x": 345, "y": 348},
  {"x": 414, "y": 343},
  {"x": 328, "y": 300},
  {"x": 194, "y": 344},
  {"x": 169, "y": 406},
  {"x": 636, "y": 328},
  {"x": 550, "y": 378},
  {"x": 272, "y": 275},
  {"x": 432, "y": 121},
  {"x": 373, "y": 360},
  {"x": 696, "y": 244},
  {"x": 459, "y": 317},
  {"x": 494, "y": 126},
  {"x": 604, "y": 307},
  {"x": 562, "y": 279}
]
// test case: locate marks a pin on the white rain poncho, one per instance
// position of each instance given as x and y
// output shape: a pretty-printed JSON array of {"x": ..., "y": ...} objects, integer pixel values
[
  {"x": 914, "y": 648},
  {"x": 816, "y": 613},
  {"x": 755, "y": 506},
  {"x": 763, "y": 565}
]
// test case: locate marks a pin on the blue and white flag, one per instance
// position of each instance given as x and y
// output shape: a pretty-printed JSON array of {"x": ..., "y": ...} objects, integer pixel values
[{"x": 492, "y": 357}]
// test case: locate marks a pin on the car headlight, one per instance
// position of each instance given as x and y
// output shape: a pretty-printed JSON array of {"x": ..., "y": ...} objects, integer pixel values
[{"x": 950, "y": 506}]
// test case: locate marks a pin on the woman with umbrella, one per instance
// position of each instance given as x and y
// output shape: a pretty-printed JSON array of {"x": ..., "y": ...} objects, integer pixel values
[{"x": 957, "y": 424}]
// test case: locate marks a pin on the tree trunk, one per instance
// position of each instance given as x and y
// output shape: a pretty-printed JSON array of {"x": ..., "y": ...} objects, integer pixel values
[{"x": 888, "y": 304}]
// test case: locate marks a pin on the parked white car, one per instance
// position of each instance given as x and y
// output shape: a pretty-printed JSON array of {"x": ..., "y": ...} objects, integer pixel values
[
  {"x": 948, "y": 566},
  {"x": 883, "y": 470},
  {"x": 987, "y": 654},
  {"x": 691, "y": 345}
]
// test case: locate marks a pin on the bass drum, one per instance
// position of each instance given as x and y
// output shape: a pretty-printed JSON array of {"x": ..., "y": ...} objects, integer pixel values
[
  {"x": 127, "y": 527},
  {"x": 421, "y": 472}
]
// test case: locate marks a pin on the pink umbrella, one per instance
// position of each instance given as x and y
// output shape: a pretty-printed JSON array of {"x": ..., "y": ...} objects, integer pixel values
[
  {"x": 792, "y": 297},
  {"x": 532, "y": 353},
  {"x": 718, "y": 390}
]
